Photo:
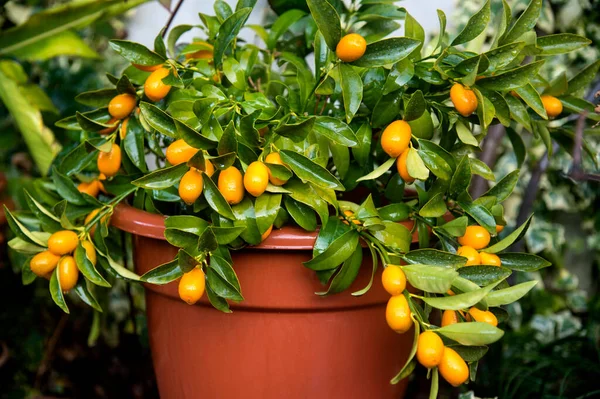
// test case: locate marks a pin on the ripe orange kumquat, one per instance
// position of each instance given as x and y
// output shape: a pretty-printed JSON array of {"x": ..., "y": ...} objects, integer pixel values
[
  {"x": 190, "y": 186},
  {"x": 393, "y": 280},
  {"x": 122, "y": 105},
  {"x": 191, "y": 286},
  {"x": 230, "y": 184},
  {"x": 68, "y": 273},
  {"x": 63, "y": 242},
  {"x": 490, "y": 259},
  {"x": 552, "y": 105},
  {"x": 395, "y": 138},
  {"x": 397, "y": 314},
  {"x": 206, "y": 53},
  {"x": 90, "y": 251},
  {"x": 484, "y": 316},
  {"x": 256, "y": 178},
  {"x": 499, "y": 228},
  {"x": 147, "y": 68},
  {"x": 449, "y": 317},
  {"x": 402, "y": 168},
  {"x": 266, "y": 233},
  {"x": 109, "y": 163},
  {"x": 476, "y": 237},
  {"x": 464, "y": 99},
  {"x": 179, "y": 152},
  {"x": 473, "y": 257},
  {"x": 351, "y": 47},
  {"x": 430, "y": 349},
  {"x": 275, "y": 158},
  {"x": 43, "y": 263},
  {"x": 453, "y": 368},
  {"x": 92, "y": 188},
  {"x": 154, "y": 88}
]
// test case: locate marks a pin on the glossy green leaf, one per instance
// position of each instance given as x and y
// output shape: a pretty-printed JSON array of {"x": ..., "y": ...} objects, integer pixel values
[
  {"x": 162, "y": 178},
  {"x": 411, "y": 363},
  {"x": 504, "y": 187},
  {"x": 472, "y": 334},
  {"x": 414, "y": 30},
  {"x": 266, "y": 208},
  {"x": 510, "y": 295},
  {"x": 481, "y": 169},
  {"x": 433, "y": 257},
  {"x": 532, "y": 98},
  {"x": 525, "y": 23},
  {"x": 415, "y": 166},
  {"x": 481, "y": 215},
  {"x": 459, "y": 301},
  {"x": 158, "y": 119},
  {"x": 234, "y": 73},
  {"x": 215, "y": 199},
  {"x": 395, "y": 236},
  {"x": 509, "y": 239},
  {"x": 308, "y": 170},
  {"x": 415, "y": 106},
  {"x": 386, "y": 52},
  {"x": 475, "y": 26},
  {"x": 400, "y": 74},
  {"x": 136, "y": 53},
  {"x": 163, "y": 274},
  {"x": 380, "y": 170},
  {"x": 336, "y": 253},
  {"x": 56, "y": 292},
  {"x": 560, "y": 43},
  {"x": 302, "y": 214},
  {"x": 187, "y": 223},
  {"x": 484, "y": 275},
  {"x": 397, "y": 212},
  {"x": 352, "y": 90},
  {"x": 192, "y": 137},
  {"x": 583, "y": 78},
  {"x": 511, "y": 79},
  {"x": 461, "y": 179},
  {"x": 327, "y": 20},
  {"x": 435, "y": 207},
  {"x": 456, "y": 227},
  {"x": 85, "y": 295},
  {"x": 523, "y": 262},
  {"x": 335, "y": 130},
  {"x": 435, "y": 279},
  {"x": 228, "y": 31},
  {"x": 282, "y": 24},
  {"x": 296, "y": 131},
  {"x": 347, "y": 273},
  {"x": 87, "y": 268}
]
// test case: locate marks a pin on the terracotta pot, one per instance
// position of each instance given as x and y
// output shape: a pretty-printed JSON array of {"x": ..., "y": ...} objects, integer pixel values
[{"x": 282, "y": 341}]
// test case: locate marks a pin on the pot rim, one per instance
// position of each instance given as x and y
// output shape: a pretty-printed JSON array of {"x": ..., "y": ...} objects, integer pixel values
[{"x": 136, "y": 221}]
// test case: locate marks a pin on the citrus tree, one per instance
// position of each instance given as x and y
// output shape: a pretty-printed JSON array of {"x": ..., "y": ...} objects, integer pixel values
[{"x": 230, "y": 140}]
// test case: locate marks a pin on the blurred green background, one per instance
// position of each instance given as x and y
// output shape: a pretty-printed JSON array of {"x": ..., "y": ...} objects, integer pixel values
[{"x": 552, "y": 345}]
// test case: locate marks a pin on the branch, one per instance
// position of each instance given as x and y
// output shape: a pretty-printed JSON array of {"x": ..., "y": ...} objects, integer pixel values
[{"x": 171, "y": 18}]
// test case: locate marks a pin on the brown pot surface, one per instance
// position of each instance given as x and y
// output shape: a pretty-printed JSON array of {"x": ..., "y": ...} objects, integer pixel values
[{"x": 282, "y": 341}]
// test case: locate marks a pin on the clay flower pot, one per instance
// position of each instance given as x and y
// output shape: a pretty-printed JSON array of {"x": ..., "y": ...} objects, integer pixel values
[{"x": 282, "y": 341}]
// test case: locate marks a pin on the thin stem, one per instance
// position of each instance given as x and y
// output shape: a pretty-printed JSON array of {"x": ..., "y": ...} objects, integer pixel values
[{"x": 171, "y": 18}]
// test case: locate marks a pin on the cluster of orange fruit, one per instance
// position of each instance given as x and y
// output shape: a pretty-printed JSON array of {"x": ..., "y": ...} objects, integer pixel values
[
  {"x": 59, "y": 254},
  {"x": 474, "y": 239}
]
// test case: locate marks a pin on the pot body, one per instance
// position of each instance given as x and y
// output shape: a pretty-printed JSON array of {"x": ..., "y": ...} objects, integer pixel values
[{"x": 282, "y": 341}]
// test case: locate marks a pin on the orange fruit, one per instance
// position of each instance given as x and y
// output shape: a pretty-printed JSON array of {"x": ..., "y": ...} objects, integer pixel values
[
  {"x": 473, "y": 257},
  {"x": 111, "y": 129},
  {"x": 256, "y": 178},
  {"x": 275, "y": 158},
  {"x": 464, "y": 99},
  {"x": 266, "y": 233},
  {"x": 154, "y": 87},
  {"x": 350, "y": 215},
  {"x": 147, "y": 68},
  {"x": 499, "y": 228},
  {"x": 63, "y": 242},
  {"x": 179, "y": 152},
  {"x": 476, "y": 237},
  {"x": 209, "y": 168},
  {"x": 489, "y": 259},
  {"x": 122, "y": 105},
  {"x": 397, "y": 314},
  {"x": 191, "y": 286},
  {"x": 89, "y": 218},
  {"x": 552, "y": 105},
  {"x": 395, "y": 138},
  {"x": 109, "y": 163},
  {"x": 230, "y": 185},
  {"x": 190, "y": 186},
  {"x": 68, "y": 273},
  {"x": 351, "y": 47},
  {"x": 449, "y": 317},
  {"x": 123, "y": 129},
  {"x": 43, "y": 263},
  {"x": 403, "y": 169},
  {"x": 393, "y": 280},
  {"x": 453, "y": 368},
  {"x": 90, "y": 251},
  {"x": 430, "y": 349},
  {"x": 92, "y": 188},
  {"x": 201, "y": 54},
  {"x": 484, "y": 316}
]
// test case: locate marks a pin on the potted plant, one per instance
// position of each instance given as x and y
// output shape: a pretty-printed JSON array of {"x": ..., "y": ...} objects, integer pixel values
[{"x": 252, "y": 181}]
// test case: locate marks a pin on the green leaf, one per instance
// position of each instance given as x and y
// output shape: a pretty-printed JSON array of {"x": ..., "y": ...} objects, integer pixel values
[
  {"x": 436, "y": 279},
  {"x": 306, "y": 194},
  {"x": 397, "y": 212},
  {"x": 330, "y": 231},
  {"x": 414, "y": 30},
  {"x": 532, "y": 98},
  {"x": 416, "y": 167},
  {"x": 56, "y": 292},
  {"x": 461, "y": 179},
  {"x": 189, "y": 224},
  {"x": 308, "y": 170},
  {"x": 85, "y": 295},
  {"x": 435, "y": 207},
  {"x": 511, "y": 79},
  {"x": 87, "y": 268},
  {"x": 224, "y": 269},
  {"x": 40, "y": 140},
  {"x": 465, "y": 135},
  {"x": 415, "y": 107},
  {"x": 266, "y": 207},
  {"x": 217, "y": 302},
  {"x": 158, "y": 119},
  {"x": 504, "y": 187},
  {"x": 583, "y": 79},
  {"x": 481, "y": 215},
  {"x": 296, "y": 131},
  {"x": 67, "y": 189},
  {"x": 475, "y": 26},
  {"x": 411, "y": 363},
  {"x": 509, "y": 239},
  {"x": 136, "y": 53},
  {"x": 162, "y": 178},
  {"x": 525, "y": 23},
  {"x": 459, "y": 301},
  {"x": 234, "y": 73},
  {"x": 484, "y": 275},
  {"x": 386, "y": 52},
  {"x": 427, "y": 256},
  {"x": 364, "y": 135},
  {"x": 472, "y": 334},
  {"x": 395, "y": 236},
  {"x": 456, "y": 227},
  {"x": 96, "y": 98},
  {"x": 336, "y": 253},
  {"x": 66, "y": 43},
  {"x": 228, "y": 31},
  {"x": 481, "y": 169},
  {"x": 352, "y": 90},
  {"x": 215, "y": 199},
  {"x": 335, "y": 130},
  {"x": 20, "y": 230},
  {"x": 226, "y": 235},
  {"x": 523, "y": 262},
  {"x": 327, "y": 20},
  {"x": 510, "y": 295},
  {"x": 561, "y": 43},
  {"x": 50, "y": 222},
  {"x": 380, "y": 170},
  {"x": 192, "y": 137},
  {"x": 301, "y": 213},
  {"x": 163, "y": 274},
  {"x": 133, "y": 144},
  {"x": 400, "y": 74},
  {"x": 282, "y": 24},
  {"x": 470, "y": 353},
  {"x": 174, "y": 35}
]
